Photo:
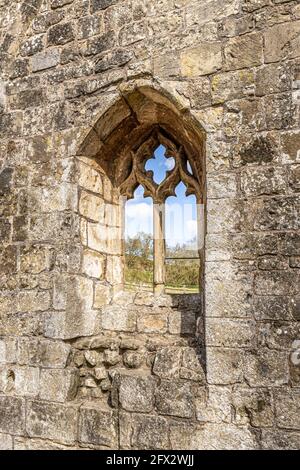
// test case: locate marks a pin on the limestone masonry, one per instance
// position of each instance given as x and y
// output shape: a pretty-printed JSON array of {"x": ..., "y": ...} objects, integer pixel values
[{"x": 83, "y": 362}]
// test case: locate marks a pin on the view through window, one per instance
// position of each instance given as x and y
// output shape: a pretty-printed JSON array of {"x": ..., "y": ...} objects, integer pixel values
[{"x": 179, "y": 231}]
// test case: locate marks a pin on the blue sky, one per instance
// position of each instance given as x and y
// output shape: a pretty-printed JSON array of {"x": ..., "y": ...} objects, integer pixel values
[{"x": 181, "y": 211}]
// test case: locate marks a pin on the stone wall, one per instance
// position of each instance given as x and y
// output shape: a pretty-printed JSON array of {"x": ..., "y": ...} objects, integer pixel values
[{"x": 82, "y": 363}]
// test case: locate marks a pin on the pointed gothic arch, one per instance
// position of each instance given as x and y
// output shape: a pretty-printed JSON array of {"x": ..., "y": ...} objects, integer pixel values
[{"x": 125, "y": 136}]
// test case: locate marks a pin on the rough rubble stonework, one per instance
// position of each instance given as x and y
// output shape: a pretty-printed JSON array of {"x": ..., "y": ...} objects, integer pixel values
[{"x": 82, "y": 363}]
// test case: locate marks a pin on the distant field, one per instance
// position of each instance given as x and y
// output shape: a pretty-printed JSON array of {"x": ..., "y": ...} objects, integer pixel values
[{"x": 182, "y": 275}]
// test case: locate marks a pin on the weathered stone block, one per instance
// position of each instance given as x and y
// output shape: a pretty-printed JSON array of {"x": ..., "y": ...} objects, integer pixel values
[
  {"x": 280, "y": 111},
  {"x": 294, "y": 178},
  {"x": 252, "y": 5},
  {"x": 42, "y": 22},
  {"x": 27, "y": 381},
  {"x": 132, "y": 359},
  {"x": 225, "y": 366},
  {"x": 234, "y": 26},
  {"x": 53, "y": 353},
  {"x": 60, "y": 34},
  {"x": 175, "y": 398},
  {"x": 102, "y": 295},
  {"x": 8, "y": 260},
  {"x": 98, "y": 426},
  {"x": 252, "y": 406},
  {"x": 232, "y": 85},
  {"x": 202, "y": 60},
  {"x": 92, "y": 357},
  {"x": 228, "y": 291},
  {"x": 90, "y": 179},
  {"x": 244, "y": 51},
  {"x": 97, "y": 237},
  {"x": 224, "y": 216},
  {"x": 276, "y": 439},
  {"x": 111, "y": 358},
  {"x": 74, "y": 294},
  {"x": 266, "y": 368},
  {"x": 191, "y": 366},
  {"x": 135, "y": 392},
  {"x": 60, "y": 198},
  {"x": 230, "y": 333},
  {"x": 19, "y": 68},
  {"x": 132, "y": 33},
  {"x": 6, "y": 442},
  {"x": 23, "y": 443},
  {"x": 33, "y": 301},
  {"x": 100, "y": 44},
  {"x": 60, "y": 3},
  {"x": 42, "y": 352},
  {"x": 54, "y": 226},
  {"x": 93, "y": 264},
  {"x": 282, "y": 42},
  {"x": 91, "y": 207},
  {"x": 143, "y": 432},
  {"x": 207, "y": 11},
  {"x": 101, "y": 4},
  {"x": 116, "y": 318},
  {"x": 167, "y": 362},
  {"x": 6, "y": 179},
  {"x": 182, "y": 322},
  {"x": 224, "y": 185},
  {"x": 35, "y": 259},
  {"x": 287, "y": 407},
  {"x": 39, "y": 148},
  {"x": 5, "y": 230},
  {"x": 214, "y": 404},
  {"x": 6, "y": 380},
  {"x": 213, "y": 436},
  {"x": 52, "y": 421},
  {"x": 152, "y": 323},
  {"x": 113, "y": 59},
  {"x": 32, "y": 46},
  {"x": 45, "y": 60},
  {"x": 278, "y": 335},
  {"x": 10, "y": 124},
  {"x": 12, "y": 415},
  {"x": 167, "y": 66},
  {"x": 59, "y": 385},
  {"x": 272, "y": 308},
  {"x": 276, "y": 283},
  {"x": 8, "y": 350},
  {"x": 269, "y": 181},
  {"x": 291, "y": 147},
  {"x": 272, "y": 78},
  {"x": 20, "y": 228}
]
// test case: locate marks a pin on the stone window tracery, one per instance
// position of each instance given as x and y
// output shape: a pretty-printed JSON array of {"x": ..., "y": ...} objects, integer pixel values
[{"x": 138, "y": 170}]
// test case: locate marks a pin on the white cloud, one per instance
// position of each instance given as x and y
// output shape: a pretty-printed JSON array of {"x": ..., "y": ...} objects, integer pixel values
[
  {"x": 191, "y": 229},
  {"x": 139, "y": 211},
  {"x": 170, "y": 163},
  {"x": 139, "y": 218}
]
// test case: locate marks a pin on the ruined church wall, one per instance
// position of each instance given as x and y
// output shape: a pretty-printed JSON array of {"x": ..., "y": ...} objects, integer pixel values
[{"x": 81, "y": 363}]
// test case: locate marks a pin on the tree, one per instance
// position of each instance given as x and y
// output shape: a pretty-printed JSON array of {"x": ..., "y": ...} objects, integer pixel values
[{"x": 139, "y": 263}]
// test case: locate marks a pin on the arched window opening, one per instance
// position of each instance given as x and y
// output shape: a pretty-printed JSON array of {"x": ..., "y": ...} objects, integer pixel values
[{"x": 161, "y": 192}]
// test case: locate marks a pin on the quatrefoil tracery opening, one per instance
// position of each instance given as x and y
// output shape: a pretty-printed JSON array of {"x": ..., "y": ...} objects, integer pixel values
[
  {"x": 139, "y": 172},
  {"x": 160, "y": 165}
]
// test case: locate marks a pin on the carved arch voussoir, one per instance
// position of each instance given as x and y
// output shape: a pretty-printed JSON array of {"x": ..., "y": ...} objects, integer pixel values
[{"x": 127, "y": 134}]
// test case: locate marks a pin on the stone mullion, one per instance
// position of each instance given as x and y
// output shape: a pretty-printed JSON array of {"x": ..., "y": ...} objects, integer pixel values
[{"x": 159, "y": 246}]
